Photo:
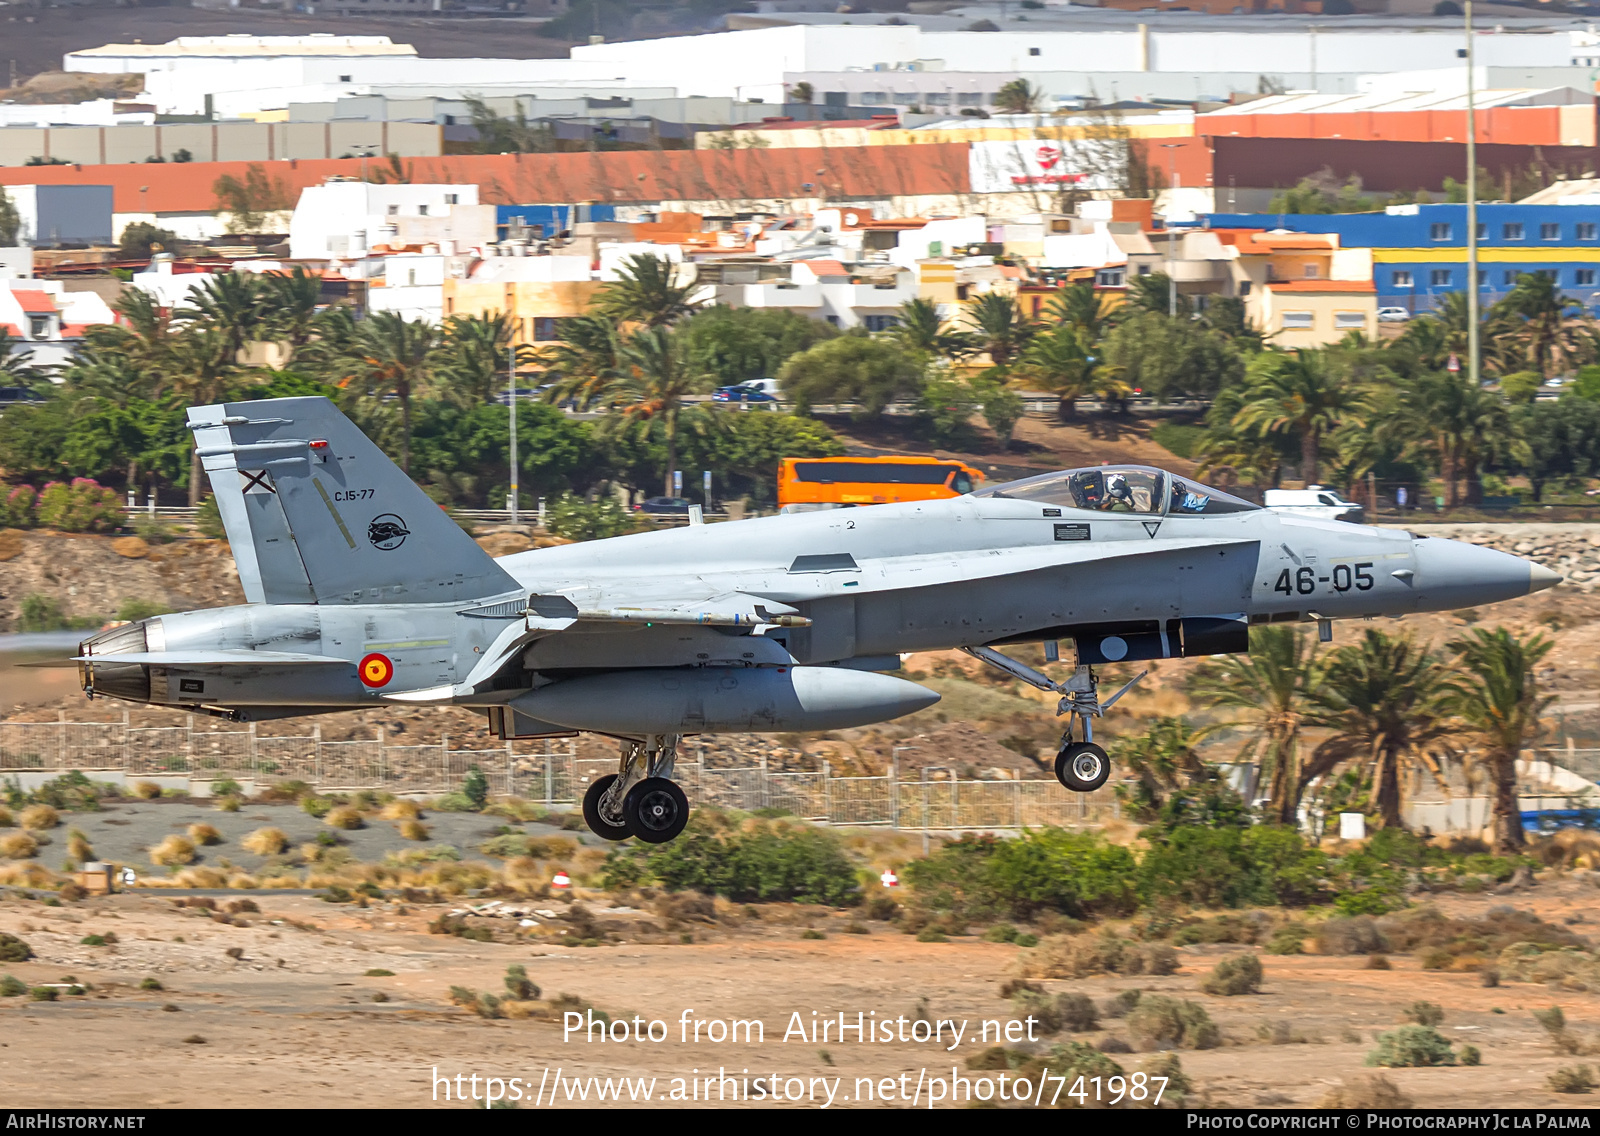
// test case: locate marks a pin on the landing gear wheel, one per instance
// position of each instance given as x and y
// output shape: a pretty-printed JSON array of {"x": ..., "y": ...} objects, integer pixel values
[
  {"x": 656, "y": 810},
  {"x": 591, "y": 811},
  {"x": 1082, "y": 766}
]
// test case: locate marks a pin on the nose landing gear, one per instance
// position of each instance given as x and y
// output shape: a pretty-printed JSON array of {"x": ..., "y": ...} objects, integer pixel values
[
  {"x": 1081, "y": 766},
  {"x": 640, "y": 799}
]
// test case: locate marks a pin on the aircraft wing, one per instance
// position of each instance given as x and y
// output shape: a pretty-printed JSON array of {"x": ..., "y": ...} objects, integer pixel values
[{"x": 218, "y": 659}]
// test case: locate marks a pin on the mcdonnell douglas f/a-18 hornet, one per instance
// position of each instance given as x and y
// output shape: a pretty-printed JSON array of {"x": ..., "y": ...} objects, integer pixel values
[{"x": 362, "y": 591}]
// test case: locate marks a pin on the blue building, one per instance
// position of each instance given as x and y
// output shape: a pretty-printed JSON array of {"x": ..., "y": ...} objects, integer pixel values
[
  {"x": 548, "y": 220},
  {"x": 1419, "y": 252}
]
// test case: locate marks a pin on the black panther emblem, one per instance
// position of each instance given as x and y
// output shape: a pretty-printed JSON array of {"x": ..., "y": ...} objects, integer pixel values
[{"x": 387, "y": 532}]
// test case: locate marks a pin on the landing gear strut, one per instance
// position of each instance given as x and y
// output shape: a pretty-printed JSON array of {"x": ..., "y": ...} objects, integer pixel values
[
  {"x": 640, "y": 799},
  {"x": 1081, "y": 766}
]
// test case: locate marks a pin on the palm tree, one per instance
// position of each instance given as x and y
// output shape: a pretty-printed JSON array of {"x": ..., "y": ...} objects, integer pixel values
[
  {"x": 200, "y": 368},
  {"x": 919, "y": 327},
  {"x": 1000, "y": 326},
  {"x": 1273, "y": 688},
  {"x": 1536, "y": 312},
  {"x": 1384, "y": 698},
  {"x": 230, "y": 303},
  {"x": 1305, "y": 395},
  {"x": 1081, "y": 306},
  {"x": 1457, "y": 423},
  {"x": 1064, "y": 361},
  {"x": 472, "y": 351},
  {"x": 1018, "y": 97},
  {"x": 1163, "y": 758},
  {"x": 16, "y": 361},
  {"x": 390, "y": 354},
  {"x": 647, "y": 292},
  {"x": 289, "y": 302},
  {"x": 1500, "y": 706},
  {"x": 583, "y": 362},
  {"x": 655, "y": 377}
]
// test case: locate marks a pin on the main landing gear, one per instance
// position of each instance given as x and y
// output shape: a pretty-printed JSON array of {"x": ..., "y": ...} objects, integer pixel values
[
  {"x": 1081, "y": 766},
  {"x": 640, "y": 799}
]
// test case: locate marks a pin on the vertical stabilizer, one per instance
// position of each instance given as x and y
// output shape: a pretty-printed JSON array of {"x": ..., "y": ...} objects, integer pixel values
[{"x": 318, "y": 514}]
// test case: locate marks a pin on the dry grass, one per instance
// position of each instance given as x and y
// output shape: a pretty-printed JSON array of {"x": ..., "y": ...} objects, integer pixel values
[
  {"x": 78, "y": 846},
  {"x": 173, "y": 850},
  {"x": 1372, "y": 1091},
  {"x": 1569, "y": 848},
  {"x": 5, "y": 817},
  {"x": 266, "y": 842},
  {"x": 39, "y": 817},
  {"x": 345, "y": 816},
  {"x": 204, "y": 834},
  {"x": 413, "y": 829},
  {"x": 401, "y": 810},
  {"x": 146, "y": 790},
  {"x": 18, "y": 846},
  {"x": 1079, "y": 956}
]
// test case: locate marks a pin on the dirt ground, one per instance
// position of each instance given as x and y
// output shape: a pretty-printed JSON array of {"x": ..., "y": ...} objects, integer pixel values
[{"x": 293, "y": 1019}]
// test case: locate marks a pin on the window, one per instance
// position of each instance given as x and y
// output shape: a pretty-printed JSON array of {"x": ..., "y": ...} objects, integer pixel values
[
  {"x": 1244, "y": 287},
  {"x": 1312, "y": 270},
  {"x": 422, "y": 211},
  {"x": 1401, "y": 278},
  {"x": 1584, "y": 276},
  {"x": 452, "y": 199},
  {"x": 1301, "y": 320},
  {"x": 1585, "y": 230},
  {"x": 546, "y": 328},
  {"x": 38, "y": 326},
  {"x": 394, "y": 210},
  {"x": 1144, "y": 270},
  {"x": 1509, "y": 277},
  {"x": 1033, "y": 51},
  {"x": 344, "y": 78},
  {"x": 969, "y": 98},
  {"x": 1483, "y": 231},
  {"x": 1439, "y": 231},
  {"x": 1440, "y": 278},
  {"x": 1483, "y": 277},
  {"x": 1347, "y": 321},
  {"x": 873, "y": 98},
  {"x": 879, "y": 323},
  {"x": 1550, "y": 231},
  {"x": 1110, "y": 277},
  {"x": 1511, "y": 231},
  {"x": 906, "y": 98},
  {"x": 938, "y": 98}
]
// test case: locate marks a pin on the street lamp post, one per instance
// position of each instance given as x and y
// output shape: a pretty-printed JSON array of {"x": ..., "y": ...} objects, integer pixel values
[
  {"x": 511, "y": 371},
  {"x": 1473, "y": 361},
  {"x": 1172, "y": 185}
]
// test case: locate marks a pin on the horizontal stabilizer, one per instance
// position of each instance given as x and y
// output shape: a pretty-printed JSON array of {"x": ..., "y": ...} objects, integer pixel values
[{"x": 218, "y": 659}]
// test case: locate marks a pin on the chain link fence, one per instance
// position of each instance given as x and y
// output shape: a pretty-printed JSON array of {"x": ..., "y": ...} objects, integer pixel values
[{"x": 545, "y": 771}]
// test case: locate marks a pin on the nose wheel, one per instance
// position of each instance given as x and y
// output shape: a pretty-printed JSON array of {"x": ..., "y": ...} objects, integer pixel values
[
  {"x": 1082, "y": 766},
  {"x": 640, "y": 799}
]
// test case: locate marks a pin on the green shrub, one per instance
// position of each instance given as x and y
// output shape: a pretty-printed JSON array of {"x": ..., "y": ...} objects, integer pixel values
[
  {"x": 1077, "y": 1012},
  {"x": 1231, "y": 867},
  {"x": 1286, "y": 941},
  {"x": 1236, "y": 974},
  {"x": 227, "y": 787},
  {"x": 44, "y": 993},
  {"x": 518, "y": 985},
  {"x": 1160, "y": 1022},
  {"x": 151, "y": 984},
  {"x": 12, "y": 987},
  {"x": 1423, "y": 1013},
  {"x": 208, "y": 519},
  {"x": 318, "y": 807},
  {"x": 40, "y": 612},
  {"x": 18, "y": 506},
  {"x": 1470, "y": 1055},
  {"x": 82, "y": 506},
  {"x": 760, "y": 861},
  {"x": 577, "y": 519},
  {"x": 13, "y": 949},
  {"x": 1069, "y": 1060},
  {"x": 1046, "y": 869},
  {"x": 475, "y": 788},
  {"x": 1411, "y": 1047},
  {"x": 1000, "y": 933}
]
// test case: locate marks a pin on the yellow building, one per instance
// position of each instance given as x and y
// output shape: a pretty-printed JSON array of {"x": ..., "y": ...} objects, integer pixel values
[{"x": 537, "y": 293}]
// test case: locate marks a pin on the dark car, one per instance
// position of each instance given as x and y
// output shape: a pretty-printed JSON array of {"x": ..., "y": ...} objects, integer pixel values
[
  {"x": 741, "y": 393},
  {"x": 665, "y": 506}
]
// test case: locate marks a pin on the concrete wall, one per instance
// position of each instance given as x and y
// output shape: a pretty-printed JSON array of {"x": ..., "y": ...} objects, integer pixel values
[{"x": 219, "y": 142}]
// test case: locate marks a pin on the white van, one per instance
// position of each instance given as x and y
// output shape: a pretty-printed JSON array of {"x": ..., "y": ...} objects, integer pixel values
[{"x": 1314, "y": 501}]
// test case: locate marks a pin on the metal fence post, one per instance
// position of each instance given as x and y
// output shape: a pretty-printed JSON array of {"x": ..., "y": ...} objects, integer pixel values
[
  {"x": 763, "y": 796},
  {"x": 383, "y": 745},
  {"x": 549, "y": 762},
  {"x": 444, "y": 762},
  {"x": 316, "y": 754},
  {"x": 827, "y": 789},
  {"x": 253, "y": 755},
  {"x": 188, "y": 742},
  {"x": 511, "y": 765}
]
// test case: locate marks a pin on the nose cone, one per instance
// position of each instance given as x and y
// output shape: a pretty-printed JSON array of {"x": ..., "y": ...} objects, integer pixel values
[{"x": 1451, "y": 574}]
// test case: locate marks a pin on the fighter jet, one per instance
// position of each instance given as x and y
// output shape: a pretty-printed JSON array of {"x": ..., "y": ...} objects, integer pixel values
[{"x": 362, "y": 591}]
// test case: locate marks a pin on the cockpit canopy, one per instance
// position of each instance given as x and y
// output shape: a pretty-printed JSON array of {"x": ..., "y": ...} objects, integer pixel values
[{"x": 1122, "y": 489}]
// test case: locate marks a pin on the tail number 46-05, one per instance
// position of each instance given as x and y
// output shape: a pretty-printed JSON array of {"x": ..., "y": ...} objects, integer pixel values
[{"x": 1344, "y": 577}]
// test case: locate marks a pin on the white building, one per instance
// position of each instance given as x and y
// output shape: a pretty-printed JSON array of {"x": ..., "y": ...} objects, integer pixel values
[
  {"x": 412, "y": 283},
  {"x": 348, "y": 219},
  {"x": 47, "y": 321}
]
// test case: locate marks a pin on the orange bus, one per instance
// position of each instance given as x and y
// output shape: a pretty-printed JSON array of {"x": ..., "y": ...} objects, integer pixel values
[{"x": 872, "y": 481}]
